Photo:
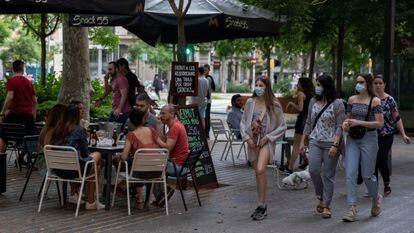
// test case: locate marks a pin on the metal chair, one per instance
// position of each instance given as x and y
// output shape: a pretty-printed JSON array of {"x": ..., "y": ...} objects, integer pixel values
[
  {"x": 221, "y": 134},
  {"x": 66, "y": 158},
  {"x": 187, "y": 170},
  {"x": 32, "y": 148},
  {"x": 145, "y": 160},
  {"x": 13, "y": 134},
  {"x": 234, "y": 141}
]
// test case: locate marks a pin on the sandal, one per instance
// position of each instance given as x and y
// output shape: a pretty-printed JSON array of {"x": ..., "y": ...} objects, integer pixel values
[
  {"x": 387, "y": 190},
  {"x": 326, "y": 213},
  {"x": 319, "y": 208}
]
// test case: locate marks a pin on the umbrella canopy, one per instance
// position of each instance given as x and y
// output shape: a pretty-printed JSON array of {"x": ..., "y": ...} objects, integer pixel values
[
  {"x": 125, "y": 7},
  {"x": 206, "y": 20}
]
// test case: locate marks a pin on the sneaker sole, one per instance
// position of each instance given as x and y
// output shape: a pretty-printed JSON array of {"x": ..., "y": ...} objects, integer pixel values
[{"x": 259, "y": 219}]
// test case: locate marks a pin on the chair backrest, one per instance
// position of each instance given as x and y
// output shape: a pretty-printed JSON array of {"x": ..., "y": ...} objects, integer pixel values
[
  {"x": 150, "y": 160},
  {"x": 61, "y": 157},
  {"x": 193, "y": 157},
  {"x": 31, "y": 143},
  {"x": 13, "y": 132},
  {"x": 217, "y": 126}
]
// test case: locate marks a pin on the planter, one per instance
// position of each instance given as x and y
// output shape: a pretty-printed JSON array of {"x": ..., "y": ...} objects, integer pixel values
[{"x": 284, "y": 100}]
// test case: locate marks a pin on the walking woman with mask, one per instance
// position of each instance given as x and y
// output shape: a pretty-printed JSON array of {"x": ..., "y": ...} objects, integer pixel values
[
  {"x": 364, "y": 117},
  {"x": 261, "y": 125},
  {"x": 392, "y": 119},
  {"x": 323, "y": 128}
]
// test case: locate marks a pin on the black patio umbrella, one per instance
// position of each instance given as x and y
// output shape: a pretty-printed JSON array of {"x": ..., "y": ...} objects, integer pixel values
[
  {"x": 125, "y": 7},
  {"x": 206, "y": 20}
]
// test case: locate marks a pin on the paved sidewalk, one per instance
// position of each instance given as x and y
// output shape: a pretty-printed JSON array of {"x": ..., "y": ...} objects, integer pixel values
[{"x": 226, "y": 209}]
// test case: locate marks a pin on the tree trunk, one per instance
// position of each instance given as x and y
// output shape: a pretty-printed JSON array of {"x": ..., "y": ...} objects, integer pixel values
[
  {"x": 76, "y": 81},
  {"x": 312, "y": 59},
  {"x": 340, "y": 59},
  {"x": 43, "y": 24}
]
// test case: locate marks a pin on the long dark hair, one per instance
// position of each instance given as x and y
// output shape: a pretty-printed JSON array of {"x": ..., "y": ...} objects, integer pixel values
[
  {"x": 123, "y": 62},
  {"x": 369, "y": 79},
  {"x": 269, "y": 96},
  {"x": 329, "y": 91},
  {"x": 55, "y": 115},
  {"x": 306, "y": 86},
  {"x": 66, "y": 125},
  {"x": 138, "y": 118}
]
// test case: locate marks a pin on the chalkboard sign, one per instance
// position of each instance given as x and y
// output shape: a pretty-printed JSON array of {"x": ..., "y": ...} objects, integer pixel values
[
  {"x": 184, "y": 78},
  {"x": 204, "y": 170}
]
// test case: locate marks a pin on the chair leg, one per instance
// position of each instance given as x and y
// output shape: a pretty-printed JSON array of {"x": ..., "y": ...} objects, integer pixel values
[
  {"x": 80, "y": 196},
  {"x": 43, "y": 193},
  {"x": 61, "y": 189},
  {"x": 28, "y": 178},
  {"x": 166, "y": 195},
  {"x": 116, "y": 184},
  {"x": 214, "y": 143},
  {"x": 195, "y": 188},
  {"x": 127, "y": 187},
  {"x": 224, "y": 151},
  {"x": 41, "y": 187},
  {"x": 179, "y": 187}
]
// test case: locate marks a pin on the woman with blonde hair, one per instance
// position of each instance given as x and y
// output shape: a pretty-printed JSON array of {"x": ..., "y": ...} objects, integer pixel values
[{"x": 261, "y": 125}]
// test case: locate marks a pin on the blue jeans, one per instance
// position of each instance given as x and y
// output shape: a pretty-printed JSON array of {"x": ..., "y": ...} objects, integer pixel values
[
  {"x": 362, "y": 151},
  {"x": 170, "y": 169},
  {"x": 324, "y": 182}
]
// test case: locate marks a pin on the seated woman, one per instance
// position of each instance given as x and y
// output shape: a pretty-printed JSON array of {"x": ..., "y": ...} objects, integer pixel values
[
  {"x": 141, "y": 137},
  {"x": 55, "y": 115},
  {"x": 68, "y": 132}
]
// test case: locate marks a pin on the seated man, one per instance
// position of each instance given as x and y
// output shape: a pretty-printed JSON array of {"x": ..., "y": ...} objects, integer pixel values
[
  {"x": 176, "y": 141},
  {"x": 143, "y": 104},
  {"x": 235, "y": 114}
]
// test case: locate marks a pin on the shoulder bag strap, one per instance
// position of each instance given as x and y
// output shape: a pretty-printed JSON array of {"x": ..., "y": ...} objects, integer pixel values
[
  {"x": 369, "y": 109},
  {"x": 321, "y": 112}
]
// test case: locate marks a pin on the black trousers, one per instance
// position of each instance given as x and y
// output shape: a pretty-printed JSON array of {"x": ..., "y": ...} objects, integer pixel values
[
  {"x": 26, "y": 119},
  {"x": 384, "y": 157},
  {"x": 207, "y": 129}
]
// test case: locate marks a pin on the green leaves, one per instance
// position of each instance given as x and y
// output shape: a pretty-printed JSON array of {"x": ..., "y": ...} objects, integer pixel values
[
  {"x": 159, "y": 56},
  {"x": 104, "y": 36}
]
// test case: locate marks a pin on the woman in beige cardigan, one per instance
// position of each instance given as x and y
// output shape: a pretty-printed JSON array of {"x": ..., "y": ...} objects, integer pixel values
[{"x": 261, "y": 125}]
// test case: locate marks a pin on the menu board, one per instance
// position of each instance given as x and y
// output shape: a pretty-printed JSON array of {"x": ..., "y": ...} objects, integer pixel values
[
  {"x": 198, "y": 146},
  {"x": 184, "y": 78}
]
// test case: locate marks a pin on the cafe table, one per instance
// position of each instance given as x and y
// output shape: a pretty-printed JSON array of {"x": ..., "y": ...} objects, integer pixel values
[{"x": 107, "y": 152}]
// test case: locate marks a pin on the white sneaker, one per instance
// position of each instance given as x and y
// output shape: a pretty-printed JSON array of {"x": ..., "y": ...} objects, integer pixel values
[
  {"x": 92, "y": 206},
  {"x": 74, "y": 199}
]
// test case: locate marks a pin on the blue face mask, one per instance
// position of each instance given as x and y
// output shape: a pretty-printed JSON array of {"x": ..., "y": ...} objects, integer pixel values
[
  {"x": 360, "y": 88},
  {"x": 318, "y": 90},
  {"x": 259, "y": 91}
]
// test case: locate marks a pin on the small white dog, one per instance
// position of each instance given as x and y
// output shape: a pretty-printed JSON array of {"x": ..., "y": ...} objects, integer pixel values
[{"x": 296, "y": 178}]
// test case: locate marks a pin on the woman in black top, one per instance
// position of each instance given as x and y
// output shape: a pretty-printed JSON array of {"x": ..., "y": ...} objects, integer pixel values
[{"x": 305, "y": 94}]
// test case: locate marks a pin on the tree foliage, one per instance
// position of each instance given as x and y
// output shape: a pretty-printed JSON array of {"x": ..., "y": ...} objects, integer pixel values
[
  {"x": 104, "y": 36},
  {"x": 159, "y": 56}
]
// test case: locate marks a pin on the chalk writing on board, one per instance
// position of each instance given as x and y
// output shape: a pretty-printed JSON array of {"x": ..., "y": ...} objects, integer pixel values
[
  {"x": 184, "y": 78},
  {"x": 204, "y": 168}
]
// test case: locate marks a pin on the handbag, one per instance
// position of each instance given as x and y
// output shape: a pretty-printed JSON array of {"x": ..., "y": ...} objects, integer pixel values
[{"x": 358, "y": 132}]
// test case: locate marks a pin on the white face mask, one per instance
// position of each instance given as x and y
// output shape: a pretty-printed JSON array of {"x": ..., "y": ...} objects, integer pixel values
[
  {"x": 360, "y": 88},
  {"x": 259, "y": 91}
]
